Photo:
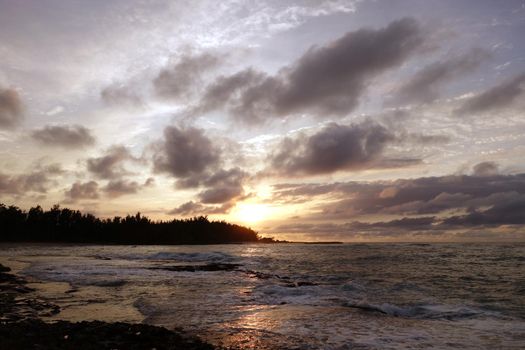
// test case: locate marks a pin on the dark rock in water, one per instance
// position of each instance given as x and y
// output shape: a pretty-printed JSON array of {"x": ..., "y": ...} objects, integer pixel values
[
  {"x": 260, "y": 275},
  {"x": 300, "y": 284},
  {"x": 7, "y": 277},
  {"x": 100, "y": 257},
  {"x": 264, "y": 276},
  {"x": 305, "y": 283},
  {"x": 198, "y": 268},
  {"x": 109, "y": 283},
  {"x": 36, "y": 334},
  {"x": 4, "y": 268}
]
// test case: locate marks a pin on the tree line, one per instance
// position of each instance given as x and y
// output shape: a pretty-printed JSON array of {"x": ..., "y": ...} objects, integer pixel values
[{"x": 71, "y": 226}]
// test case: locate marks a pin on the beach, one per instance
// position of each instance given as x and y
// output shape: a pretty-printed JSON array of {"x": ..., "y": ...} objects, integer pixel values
[{"x": 21, "y": 326}]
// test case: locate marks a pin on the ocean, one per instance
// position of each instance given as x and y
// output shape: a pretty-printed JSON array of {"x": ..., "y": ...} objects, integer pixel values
[{"x": 293, "y": 296}]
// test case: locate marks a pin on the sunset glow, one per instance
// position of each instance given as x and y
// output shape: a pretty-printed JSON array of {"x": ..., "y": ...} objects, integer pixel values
[{"x": 252, "y": 213}]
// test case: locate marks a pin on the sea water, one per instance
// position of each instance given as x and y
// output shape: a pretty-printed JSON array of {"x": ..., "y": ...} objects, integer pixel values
[{"x": 293, "y": 296}]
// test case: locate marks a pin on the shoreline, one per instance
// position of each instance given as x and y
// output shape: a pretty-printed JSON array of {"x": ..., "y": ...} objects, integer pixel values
[{"x": 22, "y": 327}]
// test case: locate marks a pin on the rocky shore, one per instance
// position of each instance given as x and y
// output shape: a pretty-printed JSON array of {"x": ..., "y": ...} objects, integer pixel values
[{"x": 22, "y": 328}]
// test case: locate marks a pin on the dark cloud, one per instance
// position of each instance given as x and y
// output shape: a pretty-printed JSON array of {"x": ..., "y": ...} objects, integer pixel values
[
  {"x": 11, "y": 108},
  {"x": 424, "y": 86},
  {"x": 86, "y": 190},
  {"x": 336, "y": 147},
  {"x": 329, "y": 79},
  {"x": 223, "y": 186},
  {"x": 195, "y": 161},
  {"x": 177, "y": 80},
  {"x": 185, "y": 153},
  {"x": 117, "y": 188},
  {"x": 417, "y": 223},
  {"x": 37, "y": 180},
  {"x": 500, "y": 96},
  {"x": 488, "y": 200},
  {"x": 226, "y": 88},
  {"x": 488, "y": 221},
  {"x": 504, "y": 213},
  {"x": 187, "y": 209},
  {"x": 485, "y": 169},
  {"x": 220, "y": 194},
  {"x": 436, "y": 194},
  {"x": 325, "y": 80},
  {"x": 110, "y": 166},
  {"x": 67, "y": 136},
  {"x": 196, "y": 209},
  {"x": 477, "y": 226}
]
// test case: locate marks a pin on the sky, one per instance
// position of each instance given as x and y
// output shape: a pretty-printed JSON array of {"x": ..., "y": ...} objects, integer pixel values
[{"x": 398, "y": 120}]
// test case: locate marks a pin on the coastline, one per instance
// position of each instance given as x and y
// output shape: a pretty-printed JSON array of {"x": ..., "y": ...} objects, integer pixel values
[{"x": 22, "y": 327}]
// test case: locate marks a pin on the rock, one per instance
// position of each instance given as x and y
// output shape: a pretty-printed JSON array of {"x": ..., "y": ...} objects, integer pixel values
[
  {"x": 36, "y": 334},
  {"x": 300, "y": 284},
  {"x": 198, "y": 268}
]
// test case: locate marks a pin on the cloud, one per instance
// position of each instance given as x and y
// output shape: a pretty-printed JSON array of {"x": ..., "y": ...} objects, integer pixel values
[
  {"x": 326, "y": 80},
  {"x": 195, "y": 161},
  {"x": 225, "y": 88},
  {"x": 424, "y": 86},
  {"x": 406, "y": 228},
  {"x": 188, "y": 208},
  {"x": 411, "y": 229},
  {"x": 334, "y": 148},
  {"x": 500, "y": 96},
  {"x": 86, "y": 190},
  {"x": 11, "y": 109},
  {"x": 177, "y": 80},
  {"x": 508, "y": 212},
  {"x": 444, "y": 196},
  {"x": 110, "y": 166},
  {"x": 329, "y": 79},
  {"x": 223, "y": 186},
  {"x": 196, "y": 209},
  {"x": 493, "y": 216},
  {"x": 117, "y": 188},
  {"x": 67, "y": 136},
  {"x": 418, "y": 223},
  {"x": 485, "y": 169},
  {"x": 120, "y": 94},
  {"x": 185, "y": 153},
  {"x": 37, "y": 180}
]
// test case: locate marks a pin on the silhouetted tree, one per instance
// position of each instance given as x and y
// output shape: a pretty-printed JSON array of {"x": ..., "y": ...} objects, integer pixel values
[{"x": 66, "y": 225}]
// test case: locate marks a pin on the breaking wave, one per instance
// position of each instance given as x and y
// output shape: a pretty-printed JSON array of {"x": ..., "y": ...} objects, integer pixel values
[{"x": 437, "y": 311}]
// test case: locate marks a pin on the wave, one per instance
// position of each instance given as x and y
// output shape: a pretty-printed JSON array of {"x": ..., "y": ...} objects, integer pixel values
[
  {"x": 353, "y": 286},
  {"x": 430, "y": 311},
  {"x": 183, "y": 257}
]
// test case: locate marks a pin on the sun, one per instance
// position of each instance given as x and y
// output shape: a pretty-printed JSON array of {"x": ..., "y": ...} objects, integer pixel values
[{"x": 251, "y": 212}]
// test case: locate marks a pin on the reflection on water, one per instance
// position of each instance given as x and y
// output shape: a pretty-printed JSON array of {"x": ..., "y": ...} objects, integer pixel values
[{"x": 294, "y": 296}]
